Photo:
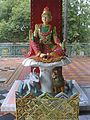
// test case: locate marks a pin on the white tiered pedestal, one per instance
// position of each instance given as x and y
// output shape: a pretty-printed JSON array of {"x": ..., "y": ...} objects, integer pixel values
[{"x": 45, "y": 71}]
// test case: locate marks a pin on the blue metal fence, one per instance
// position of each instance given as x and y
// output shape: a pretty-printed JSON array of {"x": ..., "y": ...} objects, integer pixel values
[
  {"x": 14, "y": 50},
  {"x": 78, "y": 49}
]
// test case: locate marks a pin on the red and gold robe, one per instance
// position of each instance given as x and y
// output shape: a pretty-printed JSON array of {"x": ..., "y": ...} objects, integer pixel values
[{"x": 45, "y": 40}]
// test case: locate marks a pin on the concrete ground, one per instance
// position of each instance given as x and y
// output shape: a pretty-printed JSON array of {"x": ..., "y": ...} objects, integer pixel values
[{"x": 11, "y": 68}]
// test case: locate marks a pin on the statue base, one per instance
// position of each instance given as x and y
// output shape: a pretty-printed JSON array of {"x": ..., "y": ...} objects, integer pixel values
[{"x": 9, "y": 104}]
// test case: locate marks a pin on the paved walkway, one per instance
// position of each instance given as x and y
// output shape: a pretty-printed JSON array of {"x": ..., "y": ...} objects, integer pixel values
[
  {"x": 8, "y": 66},
  {"x": 8, "y": 69},
  {"x": 78, "y": 70}
]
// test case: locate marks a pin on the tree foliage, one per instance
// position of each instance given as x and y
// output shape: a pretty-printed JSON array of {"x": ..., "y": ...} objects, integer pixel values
[
  {"x": 79, "y": 20},
  {"x": 14, "y": 20}
]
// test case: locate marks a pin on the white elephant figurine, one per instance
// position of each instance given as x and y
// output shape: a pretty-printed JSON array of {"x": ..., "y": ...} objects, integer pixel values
[{"x": 30, "y": 84}]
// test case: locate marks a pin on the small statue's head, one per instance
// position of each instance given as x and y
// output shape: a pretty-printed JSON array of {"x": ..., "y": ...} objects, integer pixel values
[{"x": 46, "y": 15}]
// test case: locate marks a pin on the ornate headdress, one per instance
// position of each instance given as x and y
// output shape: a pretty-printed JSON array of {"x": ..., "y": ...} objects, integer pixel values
[{"x": 46, "y": 11}]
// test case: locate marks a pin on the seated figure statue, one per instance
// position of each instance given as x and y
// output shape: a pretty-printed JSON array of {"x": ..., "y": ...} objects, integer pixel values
[{"x": 44, "y": 41}]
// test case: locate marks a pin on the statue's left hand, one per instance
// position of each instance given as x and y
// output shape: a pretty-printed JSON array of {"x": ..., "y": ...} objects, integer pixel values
[{"x": 42, "y": 55}]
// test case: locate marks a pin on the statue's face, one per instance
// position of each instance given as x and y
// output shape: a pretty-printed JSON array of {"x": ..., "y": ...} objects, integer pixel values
[{"x": 45, "y": 19}]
